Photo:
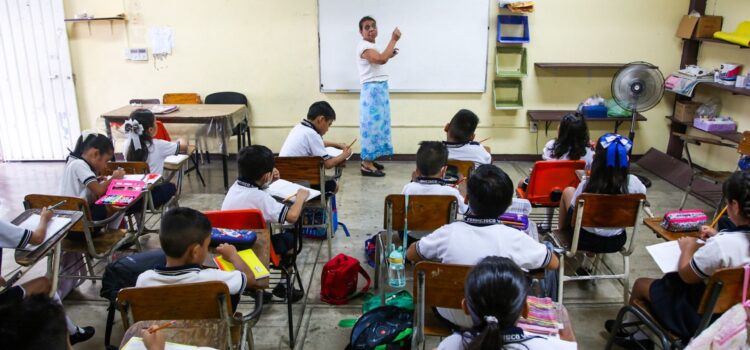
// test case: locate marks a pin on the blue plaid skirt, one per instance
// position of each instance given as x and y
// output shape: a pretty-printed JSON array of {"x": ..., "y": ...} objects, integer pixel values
[{"x": 375, "y": 120}]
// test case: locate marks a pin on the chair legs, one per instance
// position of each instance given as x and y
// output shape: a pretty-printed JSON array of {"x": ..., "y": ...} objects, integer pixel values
[{"x": 665, "y": 343}]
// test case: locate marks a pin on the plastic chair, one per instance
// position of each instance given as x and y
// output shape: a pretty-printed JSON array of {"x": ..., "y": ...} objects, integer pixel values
[
  {"x": 436, "y": 285},
  {"x": 601, "y": 211},
  {"x": 547, "y": 181},
  {"x": 724, "y": 290},
  {"x": 242, "y": 129}
]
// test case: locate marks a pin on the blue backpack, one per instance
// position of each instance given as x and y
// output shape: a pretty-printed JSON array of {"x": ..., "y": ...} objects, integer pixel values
[{"x": 317, "y": 216}]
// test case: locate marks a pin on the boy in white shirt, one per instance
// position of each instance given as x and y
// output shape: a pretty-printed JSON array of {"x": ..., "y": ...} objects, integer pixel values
[
  {"x": 480, "y": 234},
  {"x": 255, "y": 164},
  {"x": 184, "y": 235},
  {"x": 432, "y": 159},
  {"x": 460, "y": 139}
]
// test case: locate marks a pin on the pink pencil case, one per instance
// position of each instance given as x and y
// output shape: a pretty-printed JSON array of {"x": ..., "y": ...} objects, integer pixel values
[
  {"x": 122, "y": 192},
  {"x": 683, "y": 220}
]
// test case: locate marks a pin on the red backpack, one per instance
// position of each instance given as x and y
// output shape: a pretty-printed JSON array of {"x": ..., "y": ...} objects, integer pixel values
[{"x": 338, "y": 283}]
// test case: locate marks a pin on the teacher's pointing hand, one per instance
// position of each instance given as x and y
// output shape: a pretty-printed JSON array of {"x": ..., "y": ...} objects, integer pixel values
[{"x": 396, "y": 34}]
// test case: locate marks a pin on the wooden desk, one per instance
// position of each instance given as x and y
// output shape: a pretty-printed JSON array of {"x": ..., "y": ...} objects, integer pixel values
[
  {"x": 655, "y": 225},
  {"x": 261, "y": 248},
  {"x": 547, "y": 117},
  {"x": 211, "y": 333},
  {"x": 219, "y": 119}
]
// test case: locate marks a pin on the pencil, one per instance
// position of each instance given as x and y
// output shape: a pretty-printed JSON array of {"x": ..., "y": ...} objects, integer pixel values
[
  {"x": 485, "y": 139},
  {"x": 716, "y": 219},
  {"x": 290, "y": 197},
  {"x": 460, "y": 181},
  {"x": 351, "y": 144},
  {"x": 56, "y": 205},
  {"x": 161, "y": 326}
]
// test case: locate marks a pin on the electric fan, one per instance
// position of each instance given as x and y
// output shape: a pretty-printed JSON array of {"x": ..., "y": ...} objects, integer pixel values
[{"x": 637, "y": 87}]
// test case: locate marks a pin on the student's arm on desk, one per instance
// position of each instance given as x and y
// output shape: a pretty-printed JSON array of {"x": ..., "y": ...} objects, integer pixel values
[
  {"x": 340, "y": 146},
  {"x": 183, "y": 146},
  {"x": 229, "y": 253},
  {"x": 688, "y": 247},
  {"x": 296, "y": 209},
  {"x": 41, "y": 230},
  {"x": 341, "y": 158},
  {"x": 100, "y": 188}
]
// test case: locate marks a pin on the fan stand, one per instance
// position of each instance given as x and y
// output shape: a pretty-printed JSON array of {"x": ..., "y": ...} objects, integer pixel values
[{"x": 631, "y": 135}]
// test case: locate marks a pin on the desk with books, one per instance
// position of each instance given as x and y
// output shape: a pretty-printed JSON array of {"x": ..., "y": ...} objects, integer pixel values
[{"x": 261, "y": 248}]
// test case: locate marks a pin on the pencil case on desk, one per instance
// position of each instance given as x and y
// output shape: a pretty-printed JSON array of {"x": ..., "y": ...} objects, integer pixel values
[
  {"x": 243, "y": 238},
  {"x": 683, "y": 220}
]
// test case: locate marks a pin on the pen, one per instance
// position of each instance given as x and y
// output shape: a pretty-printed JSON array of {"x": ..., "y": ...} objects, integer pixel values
[
  {"x": 162, "y": 326},
  {"x": 355, "y": 140},
  {"x": 56, "y": 205},
  {"x": 485, "y": 139},
  {"x": 460, "y": 181}
]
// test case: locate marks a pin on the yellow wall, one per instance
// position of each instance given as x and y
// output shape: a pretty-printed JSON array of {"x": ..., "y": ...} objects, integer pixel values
[{"x": 268, "y": 51}]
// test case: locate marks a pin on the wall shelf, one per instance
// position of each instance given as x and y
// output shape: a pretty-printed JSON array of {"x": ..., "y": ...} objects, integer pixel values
[
  {"x": 732, "y": 136},
  {"x": 548, "y": 65},
  {"x": 549, "y": 116},
  {"x": 508, "y": 103},
  {"x": 97, "y": 19},
  {"x": 505, "y": 72},
  {"x": 719, "y": 86},
  {"x": 717, "y": 41}
]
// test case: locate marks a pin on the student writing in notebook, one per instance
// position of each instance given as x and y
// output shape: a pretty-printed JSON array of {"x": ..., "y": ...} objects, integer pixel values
[{"x": 184, "y": 235}]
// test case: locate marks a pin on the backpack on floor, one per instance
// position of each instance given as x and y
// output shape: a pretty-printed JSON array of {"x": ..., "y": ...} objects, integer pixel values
[
  {"x": 123, "y": 273},
  {"x": 383, "y": 328},
  {"x": 338, "y": 282},
  {"x": 318, "y": 216}
]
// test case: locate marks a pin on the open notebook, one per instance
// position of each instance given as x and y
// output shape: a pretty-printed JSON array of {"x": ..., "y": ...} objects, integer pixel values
[
  {"x": 666, "y": 255},
  {"x": 335, "y": 152},
  {"x": 176, "y": 159},
  {"x": 286, "y": 190},
  {"x": 54, "y": 226},
  {"x": 136, "y": 343}
]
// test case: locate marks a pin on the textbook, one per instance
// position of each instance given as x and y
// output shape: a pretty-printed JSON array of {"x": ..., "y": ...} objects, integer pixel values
[
  {"x": 286, "y": 190},
  {"x": 249, "y": 257},
  {"x": 163, "y": 109},
  {"x": 136, "y": 343},
  {"x": 53, "y": 226}
]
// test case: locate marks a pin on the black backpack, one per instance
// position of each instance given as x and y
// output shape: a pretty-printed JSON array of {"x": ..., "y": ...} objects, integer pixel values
[
  {"x": 123, "y": 273},
  {"x": 388, "y": 326}
]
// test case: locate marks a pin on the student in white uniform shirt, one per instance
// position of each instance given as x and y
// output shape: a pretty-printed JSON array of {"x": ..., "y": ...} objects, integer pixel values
[
  {"x": 481, "y": 234},
  {"x": 432, "y": 160},
  {"x": 460, "y": 139},
  {"x": 255, "y": 164},
  {"x": 306, "y": 139},
  {"x": 494, "y": 299},
  {"x": 184, "y": 236}
]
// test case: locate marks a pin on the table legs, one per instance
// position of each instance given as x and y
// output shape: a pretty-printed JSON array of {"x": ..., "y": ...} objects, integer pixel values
[{"x": 224, "y": 154}]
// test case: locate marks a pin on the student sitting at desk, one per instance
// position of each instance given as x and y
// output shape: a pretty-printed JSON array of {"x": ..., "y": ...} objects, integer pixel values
[
  {"x": 255, "y": 164},
  {"x": 306, "y": 139},
  {"x": 460, "y": 143},
  {"x": 432, "y": 162},
  {"x": 481, "y": 234},
  {"x": 184, "y": 236}
]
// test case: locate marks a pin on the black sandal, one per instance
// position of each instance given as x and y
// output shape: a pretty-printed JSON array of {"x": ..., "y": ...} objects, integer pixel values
[
  {"x": 371, "y": 173},
  {"x": 378, "y": 165}
]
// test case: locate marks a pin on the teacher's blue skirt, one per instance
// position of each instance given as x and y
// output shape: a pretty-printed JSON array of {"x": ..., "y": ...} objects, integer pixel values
[{"x": 375, "y": 120}]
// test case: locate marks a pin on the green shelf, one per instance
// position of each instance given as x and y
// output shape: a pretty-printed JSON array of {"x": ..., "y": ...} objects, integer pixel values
[
  {"x": 502, "y": 103},
  {"x": 502, "y": 54}
]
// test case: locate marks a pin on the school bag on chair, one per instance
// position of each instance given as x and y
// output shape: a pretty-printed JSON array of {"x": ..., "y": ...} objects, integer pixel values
[
  {"x": 338, "y": 282},
  {"x": 123, "y": 273}
]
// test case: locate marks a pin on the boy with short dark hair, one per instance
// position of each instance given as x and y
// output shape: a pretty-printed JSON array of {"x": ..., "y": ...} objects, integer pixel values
[
  {"x": 37, "y": 322},
  {"x": 460, "y": 139},
  {"x": 184, "y": 235},
  {"x": 432, "y": 159},
  {"x": 306, "y": 138},
  {"x": 256, "y": 171},
  {"x": 480, "y": 234}
]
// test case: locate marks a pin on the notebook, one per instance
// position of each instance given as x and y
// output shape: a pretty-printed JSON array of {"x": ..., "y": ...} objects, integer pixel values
[
  {"x": 55, "y": 225},
  {"x": 249, "y": 257},
  {"x": 666, "y": 255},
  {"x": 163, "y": 109},
  {"x": 176, "y": 159},
  {"x": 286, "y": 190},
  {"x": 147, "y": 178},
  {"x": 335, "y": 152},
  {"x": 136, "y": 343}
]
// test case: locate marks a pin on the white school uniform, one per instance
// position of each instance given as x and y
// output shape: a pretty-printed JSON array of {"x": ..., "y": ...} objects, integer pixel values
[
  {"x": 77, "y": 175},
  {"x": 469, "y": 151},
  {"x": 246, "y": 195},
  {"x": 531, "y": 342},
  {"x": 435, "y": 187},
  {"x": 369, "y": 72},
  {"x": 634, "y": 186},
  {"x": 158, "y": 151},
  {"x": 726, "y": 249},
  {"x": 467, "y": 244},
  {"x": 549, "y": 149},
  {"x": 304, "y": 141},
  {"x": 235, "y": 280},
  {"x": 12, "y": 236}
]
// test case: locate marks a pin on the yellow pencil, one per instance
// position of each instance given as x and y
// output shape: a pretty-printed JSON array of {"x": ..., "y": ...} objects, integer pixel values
[
  {"x": 716, "y": 219},
  {"x": 161, "y": 326},
  {"x": 290, "y": 197}
]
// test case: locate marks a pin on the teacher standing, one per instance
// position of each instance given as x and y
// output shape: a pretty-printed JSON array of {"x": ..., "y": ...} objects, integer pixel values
[{"x": 374, "y": 102}]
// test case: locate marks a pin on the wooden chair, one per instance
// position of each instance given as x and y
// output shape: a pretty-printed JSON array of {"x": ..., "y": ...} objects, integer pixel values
[
  {"x": 187, "y": 98},
  {"x": 601, "y": 211},
  {"x": 190, "y": 301},
  {"x": 724, "y": 290},
  {"x": 547, "y": 181},
  {"x": 463, "y": 167},
  {"x": 716, "y": 177},
  {"x": 436, "y": 285},
  {"x": 100, "y": 246}
]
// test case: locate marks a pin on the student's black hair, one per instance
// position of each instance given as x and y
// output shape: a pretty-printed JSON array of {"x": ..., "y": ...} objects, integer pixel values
[
  {"x": 494, "y": 288},
  {"x": 365, "y": 18},
  {"x": 431, "y": 157},
  {"x": 321, "y": 108},
  {"x": 37, "y": 322},
  {"x": 490, "y": 191},
  {"x": 146, "y": 119},
  {"x": 94, "y": 140},
  {"x": 253, "y": 162},
  {"x": 737, "y": 188},
  {"x": 606, "y": 179},
  {"x": 180, "y": 228},
  {"x": 573, "y": 137},
  {"x": 463, "y": 125}
]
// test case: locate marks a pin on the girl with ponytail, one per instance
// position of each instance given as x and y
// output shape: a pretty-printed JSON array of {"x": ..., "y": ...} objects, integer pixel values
[{"x": 674, "y": 298}]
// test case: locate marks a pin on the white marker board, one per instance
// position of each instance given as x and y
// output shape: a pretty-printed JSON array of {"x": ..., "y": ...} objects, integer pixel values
[{"x": 443, "y": 47}]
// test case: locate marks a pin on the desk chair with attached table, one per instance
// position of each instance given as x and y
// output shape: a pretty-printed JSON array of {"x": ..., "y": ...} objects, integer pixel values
[
  {"x": 547, "y": 181},
  {"x": 436, "y": 285},
  {"x": 463, "y": 167}
]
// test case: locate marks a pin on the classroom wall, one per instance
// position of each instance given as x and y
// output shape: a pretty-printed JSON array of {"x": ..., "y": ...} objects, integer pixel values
[{"x": 268, "y": 51}]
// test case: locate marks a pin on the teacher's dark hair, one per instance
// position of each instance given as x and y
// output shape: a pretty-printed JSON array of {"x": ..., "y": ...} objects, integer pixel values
[
  {"x": 366, "y": 18},
  {"x": 321, "y": 108}
]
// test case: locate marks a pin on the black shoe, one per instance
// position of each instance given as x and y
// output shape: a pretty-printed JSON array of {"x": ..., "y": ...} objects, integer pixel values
[
  {"x": 280, "y": 292},
  {"x": 83, "y": 334},
  {"x": 371, "y": 173},
  {"x": 378, "y": 165},
  {"x": 635, "y": 344},
  {"x": 267, "y": 296},
  {"x": 609, "y": 324}
]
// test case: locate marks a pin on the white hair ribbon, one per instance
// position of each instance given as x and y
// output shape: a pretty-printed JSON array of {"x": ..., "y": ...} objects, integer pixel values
[
  {"x": 133, "y": 130},
  {"x": 490, "y": 319}
]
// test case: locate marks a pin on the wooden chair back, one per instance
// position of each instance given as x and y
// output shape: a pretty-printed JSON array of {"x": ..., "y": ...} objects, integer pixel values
[
  {"x": 189, "y": 98},
  {"x": 609, "y": 210},
  {"x": 189, "y": 301},
  {"x": 463, "y": 167},
  {"x": 38, "y": 201},
  {"x": 443, "y": 284},
  {"x": 727, "y": 284},
  {"x": 131, "y": 168},
  {"x": 309, "y": 169},
  {"x": 426, "y": 212},
  {"x": 744, "y": 146}
]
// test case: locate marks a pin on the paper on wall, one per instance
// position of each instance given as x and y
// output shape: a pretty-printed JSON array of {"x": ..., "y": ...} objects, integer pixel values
[{"x": 162, "y": 40}]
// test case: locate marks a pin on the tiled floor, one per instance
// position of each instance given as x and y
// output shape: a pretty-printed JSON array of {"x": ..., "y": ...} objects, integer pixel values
[{"x": 360, "y": 203}]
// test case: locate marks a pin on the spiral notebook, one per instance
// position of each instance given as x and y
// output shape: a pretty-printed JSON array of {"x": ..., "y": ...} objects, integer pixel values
[{"x": 249, "y": 257}]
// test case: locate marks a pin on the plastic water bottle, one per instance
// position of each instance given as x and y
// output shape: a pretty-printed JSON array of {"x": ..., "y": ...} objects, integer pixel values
[{"x": 396, "y": 272}]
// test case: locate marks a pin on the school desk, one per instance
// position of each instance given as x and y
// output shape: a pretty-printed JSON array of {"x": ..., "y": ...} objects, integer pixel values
[
  {"x": 211, "y": 333},
  {"x": 261, "y": 248},
  {"x": 655, "y": 225},
  {"x": 26, "y": 259},
  {"x": 218, "y": 119}
]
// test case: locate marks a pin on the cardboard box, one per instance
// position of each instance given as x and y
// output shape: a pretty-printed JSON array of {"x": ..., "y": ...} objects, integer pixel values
[
  {"x": 698, "y": 27},
  {"x": 684, "y": 111},
  {"x": 715, "y": 125}
]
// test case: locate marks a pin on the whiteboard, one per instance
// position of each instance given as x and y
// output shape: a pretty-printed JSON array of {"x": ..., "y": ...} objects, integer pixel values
[{"x": 443, "y": 47}]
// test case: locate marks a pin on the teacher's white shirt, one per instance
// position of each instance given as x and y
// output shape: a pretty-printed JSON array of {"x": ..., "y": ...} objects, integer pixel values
[{"x": 369, "y": 72}]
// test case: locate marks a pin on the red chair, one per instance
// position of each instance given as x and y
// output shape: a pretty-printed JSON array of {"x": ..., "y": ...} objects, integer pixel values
[
  {"x": 548, "y": 179},
  {"x": 161, "y": 132}
]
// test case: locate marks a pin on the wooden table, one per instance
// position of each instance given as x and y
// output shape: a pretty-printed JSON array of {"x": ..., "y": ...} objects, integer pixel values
[
  {"x": 220, "y": 118},
  {"x": 655, "y": 225},
  {"x": 547, "y": 117},
  {"x": 261, "y": 248}
]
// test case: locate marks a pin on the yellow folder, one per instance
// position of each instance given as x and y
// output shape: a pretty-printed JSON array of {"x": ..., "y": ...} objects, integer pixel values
[{"x": 249, "y": 257}]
